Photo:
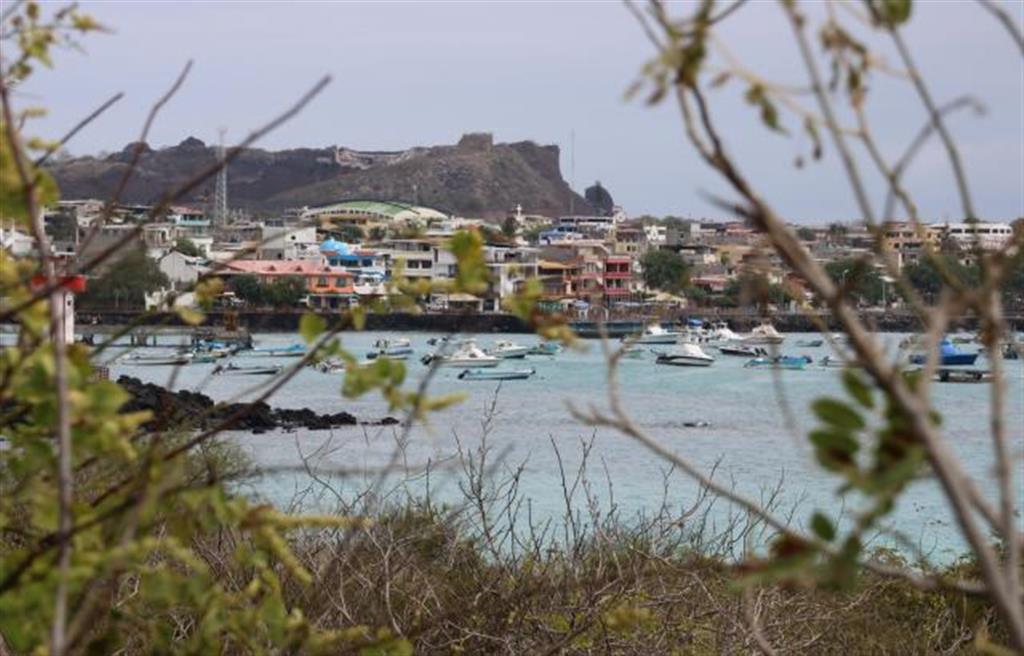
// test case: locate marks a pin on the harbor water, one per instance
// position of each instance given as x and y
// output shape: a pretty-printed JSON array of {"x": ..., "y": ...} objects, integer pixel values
[{"x": 750, "y": 425}]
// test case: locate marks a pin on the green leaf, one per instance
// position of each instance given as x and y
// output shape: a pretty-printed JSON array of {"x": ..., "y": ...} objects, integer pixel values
[
  {"x": 835, "y": 448},
  {"x": 894, "y": 12},
  {"x": 190, "y": 316},
  {"x": 311, "y": 326},
  {"x": 822, "y": 527},
  {"x": 838, "y": 414},
  {"x": 857, "y": 388}
]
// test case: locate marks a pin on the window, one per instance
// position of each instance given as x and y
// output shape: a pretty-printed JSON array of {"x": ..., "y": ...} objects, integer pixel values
[
  {"x": 339, "y": 281},
  {"x": 321, "y": 282}
]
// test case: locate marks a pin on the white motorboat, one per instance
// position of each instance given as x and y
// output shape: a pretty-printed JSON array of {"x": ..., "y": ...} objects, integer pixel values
[
  {"x": 465, "y": 354},
  {"x": 764, "y": 334},
  {"x": 655, "y": 334},
  {"x": 508, "y": 350},
  {"x": 721, "y": 332},
  {"x": 686, "y": 354},
  {"x": 396, "y": 349},
  {"x": 736, "y": 348},
  {"x": 497, "y": 374},
  {"x": 158, "y": 360},
  {"x": 546, "y": 348},
  {"x": 232, "y": 369}
]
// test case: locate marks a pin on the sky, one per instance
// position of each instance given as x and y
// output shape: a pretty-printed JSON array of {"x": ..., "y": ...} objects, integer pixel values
[{"x": 423, "y": 73}]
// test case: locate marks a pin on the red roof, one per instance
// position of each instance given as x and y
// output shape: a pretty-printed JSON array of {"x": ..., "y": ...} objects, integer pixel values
[{"x": 284, "y": 268}]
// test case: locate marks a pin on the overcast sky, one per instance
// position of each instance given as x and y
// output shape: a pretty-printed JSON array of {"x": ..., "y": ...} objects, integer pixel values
[{"x": 423, "y": 73}]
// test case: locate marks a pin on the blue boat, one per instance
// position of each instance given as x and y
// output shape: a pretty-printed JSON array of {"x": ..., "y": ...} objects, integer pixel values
[
  {"x": 950, "y": 356},
  {"x": 794, "y": 362},
  {"x": 290, "y": 351}
]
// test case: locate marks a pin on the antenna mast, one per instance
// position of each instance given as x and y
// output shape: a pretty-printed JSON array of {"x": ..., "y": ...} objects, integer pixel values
[
  {"x": 572, "y": 171},
  {"x": 220, "y": 191}
]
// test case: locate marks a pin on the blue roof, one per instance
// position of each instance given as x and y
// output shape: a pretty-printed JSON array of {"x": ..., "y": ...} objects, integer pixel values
[{"x": 335, "y": 246}]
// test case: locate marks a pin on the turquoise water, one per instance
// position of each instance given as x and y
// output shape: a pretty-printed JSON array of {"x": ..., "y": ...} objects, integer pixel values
[{"x": 748, "y": 437}]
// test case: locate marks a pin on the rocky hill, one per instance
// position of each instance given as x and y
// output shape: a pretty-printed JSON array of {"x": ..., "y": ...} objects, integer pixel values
[{"x": 475, "y": 177}]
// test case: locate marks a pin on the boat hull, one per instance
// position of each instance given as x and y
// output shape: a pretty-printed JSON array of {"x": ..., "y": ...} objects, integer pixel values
[
  {"x": 478, "y": 374},
  {"x": 738, "y": 350},
  {"x": 684, "y": 361},
  {"x": 248, "y": 371},
  {"x": 957, "y": 360},
  {"x": 466, "y": 363}
]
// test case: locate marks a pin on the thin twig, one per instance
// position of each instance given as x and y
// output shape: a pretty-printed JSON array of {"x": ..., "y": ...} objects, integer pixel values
[{"x": 78, "y": 128}]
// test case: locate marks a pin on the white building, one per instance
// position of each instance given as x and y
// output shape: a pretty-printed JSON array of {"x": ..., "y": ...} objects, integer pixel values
[
  {"x": 181, "y": 270},
  {"x": 981, "y": 234},
  {"x": 281, "y": 242}
]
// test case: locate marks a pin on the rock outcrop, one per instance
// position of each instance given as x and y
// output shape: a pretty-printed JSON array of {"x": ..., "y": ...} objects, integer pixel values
[
  {"x": 475, "y": 177},
  {"x": 185, "y": 409}
]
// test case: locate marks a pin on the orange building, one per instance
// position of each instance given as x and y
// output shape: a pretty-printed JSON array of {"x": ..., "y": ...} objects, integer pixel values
[{"x": 328, "y": 286}]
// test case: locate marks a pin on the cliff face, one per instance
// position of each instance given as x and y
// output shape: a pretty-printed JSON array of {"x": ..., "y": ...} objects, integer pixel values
[{"x": 475, "y": 177}]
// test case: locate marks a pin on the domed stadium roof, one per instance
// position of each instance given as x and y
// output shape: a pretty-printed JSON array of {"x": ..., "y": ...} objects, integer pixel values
[{"x": 381, "y": 210}]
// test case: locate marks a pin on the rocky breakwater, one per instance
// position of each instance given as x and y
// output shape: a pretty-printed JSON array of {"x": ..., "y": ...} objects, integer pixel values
[{"x": 185, "y": 409}]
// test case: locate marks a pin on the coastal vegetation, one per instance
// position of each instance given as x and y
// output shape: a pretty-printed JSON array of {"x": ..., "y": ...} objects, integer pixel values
[
  {"x": 665, "y": 270},
  {"x": 124, "y": 285},
  {"x": 124, "y": 529}
]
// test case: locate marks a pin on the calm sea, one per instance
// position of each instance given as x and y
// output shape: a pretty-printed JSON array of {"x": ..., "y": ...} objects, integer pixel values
[{"x": 755, "y": 433}]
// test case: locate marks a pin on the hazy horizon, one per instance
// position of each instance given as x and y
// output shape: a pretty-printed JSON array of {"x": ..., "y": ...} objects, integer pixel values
[{"x": 423, "y": 74}]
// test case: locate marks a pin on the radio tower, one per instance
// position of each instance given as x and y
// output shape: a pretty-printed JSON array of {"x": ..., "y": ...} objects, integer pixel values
[{"x": 219, "y": 216}]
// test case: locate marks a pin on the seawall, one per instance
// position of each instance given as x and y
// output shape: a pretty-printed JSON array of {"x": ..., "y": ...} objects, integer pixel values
[{"x": 505, "y": 323}]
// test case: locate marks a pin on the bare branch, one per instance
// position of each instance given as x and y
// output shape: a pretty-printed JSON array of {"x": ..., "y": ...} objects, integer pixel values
[
  {"x": 964, "y": 102},
  {"x": 1008, "y": 22},
  {"x": 940, "y": 125},
  {"x": 78, "y": 127}
]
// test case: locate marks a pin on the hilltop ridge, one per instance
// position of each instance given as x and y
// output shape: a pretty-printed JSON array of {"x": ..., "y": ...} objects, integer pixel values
[{"x": 475, "y": 177}]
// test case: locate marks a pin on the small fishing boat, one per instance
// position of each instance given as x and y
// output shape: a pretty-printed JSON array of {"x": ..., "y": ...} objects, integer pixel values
[
  {"x": 810, "y": 343},
  {"x": 949, "y": 356},
  {"x": 792, "y": 362},
  {"x": 395, "y": 349},
  {"x": 158, "y": 360},
  {"x": 290, "y": 351},
  {"x": 835, "y": 362},
  {"x": 465, "y": 354},
  {"x": 686, "y": 355},
  {"x": 545, "y": 348},
  {"x": 232, "y": 369},
  {"x": 963, "y": 376},
  {"x": 655, "y": 334},
  {"x": 496, "y": 374},
  {"x": 508, "y": 350},
  {"x": 329, "y": 366},
  {"x": 764, "y": 334},
  {"x": 741, "y": 350}
]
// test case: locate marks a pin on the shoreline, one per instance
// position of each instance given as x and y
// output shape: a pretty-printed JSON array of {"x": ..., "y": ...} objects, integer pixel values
[{"x": 288, "y": 322}]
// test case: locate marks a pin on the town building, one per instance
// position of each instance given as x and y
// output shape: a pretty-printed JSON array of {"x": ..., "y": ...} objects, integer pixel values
[{"x": 327, "y": 287}]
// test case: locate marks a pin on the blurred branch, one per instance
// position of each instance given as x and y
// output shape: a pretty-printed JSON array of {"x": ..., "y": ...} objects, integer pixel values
[
  {"x": 30, "y": 190},
  {"x": 963, "y": 102},
  {"x": 140, "y": 143},
  {"x": 1008, "y": 22},
  {"x": 937, "y": 122},
  {"x": 78, "y": 127},
  {"x": 173, "y": 196}
]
